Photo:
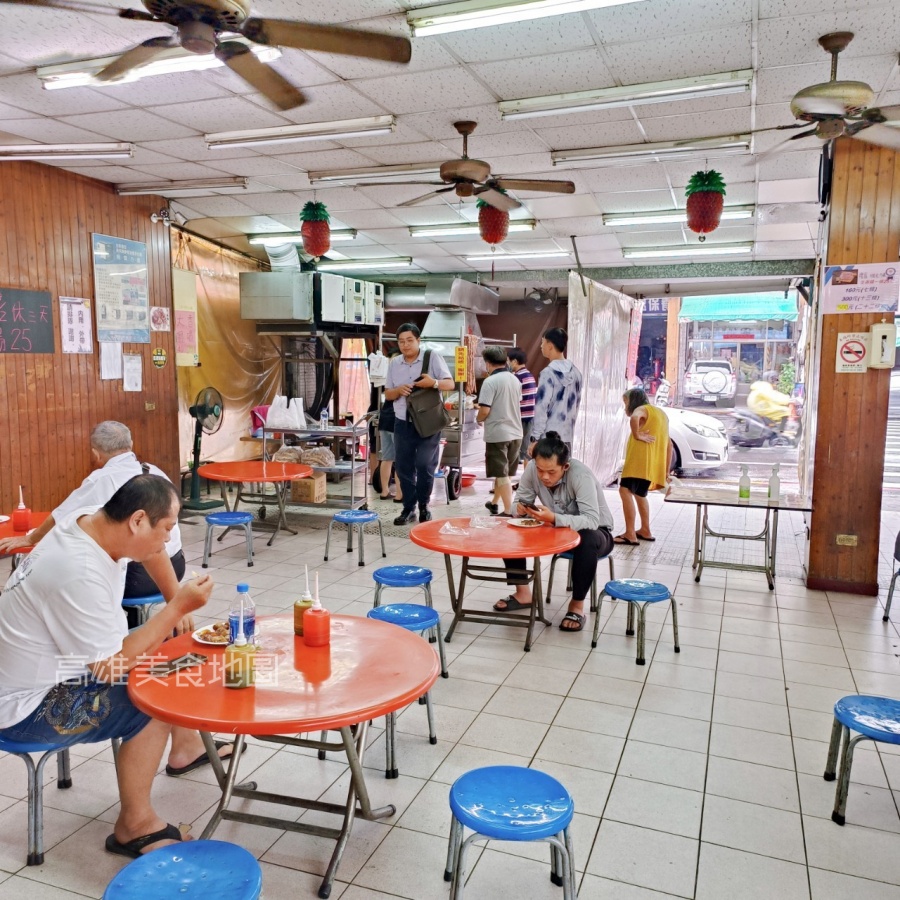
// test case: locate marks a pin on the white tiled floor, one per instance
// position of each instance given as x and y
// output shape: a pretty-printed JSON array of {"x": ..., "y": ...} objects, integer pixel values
[{"x": 696, "y": 776}]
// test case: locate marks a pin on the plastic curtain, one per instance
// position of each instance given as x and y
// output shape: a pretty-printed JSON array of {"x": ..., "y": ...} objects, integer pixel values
[
  {"x": 599, "y": 328},
  {"x": 242, "y": 365}
]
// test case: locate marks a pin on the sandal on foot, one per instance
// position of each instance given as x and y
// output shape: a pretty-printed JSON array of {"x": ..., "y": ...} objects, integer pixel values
[
  {"x": 511, "y": 605},
  {"x": 201, "y": 760},
  {"x": 135, "y": 848},
  {"x": 642, "y": 537},
  {"x": 621, "y": 539},
  {"x": 573, "y": 617}
]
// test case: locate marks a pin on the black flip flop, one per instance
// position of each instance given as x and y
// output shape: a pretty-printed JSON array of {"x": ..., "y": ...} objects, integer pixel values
[
  {"x": 573, "y": 617},
  {"x": 621, "y": 540},
  {"x": 134, "y": 849},
  {"x": 511, "y": 605},
  {"x": 200, "y": 761},
  {"x": 648, "y": 539}
]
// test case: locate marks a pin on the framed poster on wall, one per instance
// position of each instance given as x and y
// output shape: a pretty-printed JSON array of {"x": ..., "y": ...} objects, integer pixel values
[{"x": 122, "y": 290}]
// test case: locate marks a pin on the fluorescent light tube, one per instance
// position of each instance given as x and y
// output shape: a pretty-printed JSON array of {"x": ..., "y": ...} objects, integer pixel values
[
  {"x": 628, "y": 95},
  {"x": 355, "y": 265},
  {"x": 406, "y": 172},
  {"x": 694, "y": 250},
  {"x": 465, "y": 228},
  {"x": 40, "y": 152},
  {"x": 184, "y": 188},
  {"x": 499, "y": 257},
  {"x": 480, "y": 13},
  {"x": 276, "y": 239},
  {"x": 638, "y": 153},
  {"x": 176, "y": 59},
  {"x": 673, "y": 216},
  {"x": 312, "y": 131}
]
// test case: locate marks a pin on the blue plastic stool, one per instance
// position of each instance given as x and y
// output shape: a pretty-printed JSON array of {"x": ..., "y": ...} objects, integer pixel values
[
  {"x": 191, "y": 870},
  {"x": 36, "y": 788},
  {"x": 417, "y": 618},
  {"x": 568, "y": 555},
  {"x": 403, "y": 577},
  {"x": 876, "y": 719},
  {"x": 511, "y": 803},
  {"x": 636, "y": 593},
  {"x": 228, "y": 520},
  {"x": 143, "y": 605},
  {"x": 355, "y": 520}
]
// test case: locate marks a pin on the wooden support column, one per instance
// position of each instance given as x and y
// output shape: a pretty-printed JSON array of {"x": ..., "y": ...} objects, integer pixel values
[{"x": 864, "y": 227}]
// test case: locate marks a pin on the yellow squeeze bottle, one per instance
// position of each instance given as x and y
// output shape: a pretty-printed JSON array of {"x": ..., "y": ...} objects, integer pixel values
[{"x": 301, "y": 605}]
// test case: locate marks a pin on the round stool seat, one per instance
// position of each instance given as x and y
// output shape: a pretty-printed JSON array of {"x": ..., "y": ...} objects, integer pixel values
[
  {"x": 189, "y": 870},
  {"x": 356, "y": 516},
  {"x": 7, "y": 746},
  {"x": 229, "y": 518},
  {"x": 402, "y": 576},
  {"x": 149, "y": 600},
  {"x": 410, "y": 616},
  {"x": 637, "y": 590},
  {"x": 511, "y": 803},
  {"x": 877, "y": 718}
]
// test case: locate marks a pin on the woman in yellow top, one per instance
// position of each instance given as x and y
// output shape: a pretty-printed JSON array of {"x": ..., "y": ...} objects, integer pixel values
[{"x": 648, "y": 460}]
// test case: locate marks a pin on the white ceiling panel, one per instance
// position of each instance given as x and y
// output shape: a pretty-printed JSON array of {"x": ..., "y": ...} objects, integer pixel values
[
  {"x": 394, "y": 236},
  {"x": 790, "y": 164},
  {"x": 639, "y": 21},
  {"x": 177, "y": 171},
  {"x": 399, "y": 154},
  {"x": 742, "y": 194},
  {"x": 253, "y": 166},
  {"x": 414, "y": 92},
  {"x": 660, "y": 58},
  {"x": 652, "y": 177},
  {"x": 790, "y": 212},
  {"x": 578, "y": 70},
  {"x": 314, "y": 160},
  {"x": 112, "y": 173},
  {"x": 128, "y": 125},
  {"x": 798, "y": 231},
  {"x": 561, "y": 206},
  {"x": 403, "y": 133},
  {"x": 795, "y": 190},
  {"x": 527, "y": 164},
  {"x": 25, "y": 91},
  {"x": 693, "y": 107},
  {"x": 712, "y": 124},
  {"x": 219, "y": 115},
  {"x": 785, "y": 250},
  {"x": 278, "y": 203},
  {"x": 329, "y": 103},
  {"x": 773, "y": 8},
  {"x": 501, "y": 144},
  {"x": 365, "y": 219},
  {"x": 49, "y": 131},
  {"x": 634, "y": 201},
  {"x": 222, "y": 205},
  {"x": 578, "y": 136},
  {"x": 438, "y": 125},
  {"x": 734, "y": 169},
  {"x": 348, "y": 12},
  {"x": 778, "y": 85},
  {"x": 555, "y": 34},
  {"x": 411, "y": 248},
  {"x": 182, "y": 87}
]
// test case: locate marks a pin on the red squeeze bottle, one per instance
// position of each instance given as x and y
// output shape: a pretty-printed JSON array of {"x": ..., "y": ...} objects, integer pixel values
[
  {"x": 21, "y": 517},
  {"x": 316, "y": 625}
]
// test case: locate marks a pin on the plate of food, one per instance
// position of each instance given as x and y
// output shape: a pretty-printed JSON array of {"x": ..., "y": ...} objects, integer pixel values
[
  {"x": 4, "y": 519},
  {"x": 524, "y": 523},
  {"x": 215, "y": 635}
]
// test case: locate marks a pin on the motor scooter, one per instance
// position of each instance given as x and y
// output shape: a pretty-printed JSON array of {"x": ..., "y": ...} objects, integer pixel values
[{"x": 751, "y": 430}]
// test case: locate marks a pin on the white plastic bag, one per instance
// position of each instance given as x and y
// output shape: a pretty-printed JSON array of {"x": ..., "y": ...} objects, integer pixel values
[
  {"x": 295, "y": 412},
  {"x": 279, "y": 414}
]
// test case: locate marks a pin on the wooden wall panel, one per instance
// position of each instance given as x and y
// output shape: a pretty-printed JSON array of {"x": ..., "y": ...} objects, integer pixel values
[
  {"x": 50, "y": 402},
  {"x": 864, "y": 227}
]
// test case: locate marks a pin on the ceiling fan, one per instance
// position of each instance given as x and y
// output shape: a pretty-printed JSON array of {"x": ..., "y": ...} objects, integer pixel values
[
  {"x": 472, "y": 178},
  {"x": 212, "y": 26},
  {"x": 837, "y": 108}
]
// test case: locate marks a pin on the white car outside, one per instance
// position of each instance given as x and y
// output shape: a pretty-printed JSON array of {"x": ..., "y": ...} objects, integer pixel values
[
  {"x": 700, "y": 440},
  {"x": 710, "y": 380}
]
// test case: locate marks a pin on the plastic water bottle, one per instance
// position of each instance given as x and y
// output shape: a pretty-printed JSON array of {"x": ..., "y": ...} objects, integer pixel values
[
  {"x": 323, "y": 419},
  {"x": 774, "y": 484},
  {"x": 744, "y": 484},
  {"x": 242, "y": 600}
]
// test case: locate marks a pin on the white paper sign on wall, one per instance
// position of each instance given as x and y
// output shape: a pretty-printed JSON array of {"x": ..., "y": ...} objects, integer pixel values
[{"x": 852, "y": 351}]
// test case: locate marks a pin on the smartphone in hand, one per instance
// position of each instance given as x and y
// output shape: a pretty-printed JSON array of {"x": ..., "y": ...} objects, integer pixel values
[{"x": 189, "y": 660}]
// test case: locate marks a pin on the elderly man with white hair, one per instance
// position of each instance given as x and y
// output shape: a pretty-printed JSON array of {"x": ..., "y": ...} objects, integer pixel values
[{"x": 115, "y": 463}]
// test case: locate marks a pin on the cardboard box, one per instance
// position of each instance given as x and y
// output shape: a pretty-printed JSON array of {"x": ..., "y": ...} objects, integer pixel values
[{"x": 309, "y": 490}]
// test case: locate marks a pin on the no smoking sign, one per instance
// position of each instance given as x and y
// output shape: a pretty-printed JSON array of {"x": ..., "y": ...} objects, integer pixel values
[{"x": 852, "y": 351}]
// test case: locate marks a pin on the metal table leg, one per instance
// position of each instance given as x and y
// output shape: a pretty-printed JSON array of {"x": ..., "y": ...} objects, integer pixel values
[
  {"x": 704, "y": 530},
  {"x": 696, "y": 537},
  {"x": 771, "y": 546},
  {"x": 460, "y": 593}
]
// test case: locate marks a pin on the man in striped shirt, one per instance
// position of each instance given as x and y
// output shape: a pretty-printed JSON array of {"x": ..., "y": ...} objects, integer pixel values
[{"x": 516, "y": 357}]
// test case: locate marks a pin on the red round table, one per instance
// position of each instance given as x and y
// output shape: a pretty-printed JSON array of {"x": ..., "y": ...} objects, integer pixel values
[
  {"x": 7, "y": 531},
  {"x": 369, "y": 669},
  {"x": 256, "y": 471},
  {"x": 502, "y": 542}
]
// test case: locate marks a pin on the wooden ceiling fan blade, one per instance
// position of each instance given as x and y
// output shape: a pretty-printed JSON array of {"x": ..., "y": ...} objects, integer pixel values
[
  {"x": 240, "y": 59},
  {"x": 528, "y": 184},
  {"x": 819, "y": 106},
  {"x": 424, "y": 197},
  {"x": 329, "y": 39},
  {"x": 889, "y": 113},
  {"x": 882, "y": 135},
  {"x": 494, "y": 198},
  {"x": 138, "y": 56}
]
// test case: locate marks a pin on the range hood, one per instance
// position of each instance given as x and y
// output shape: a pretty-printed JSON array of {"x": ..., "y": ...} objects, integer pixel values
[{"x": 442, "y": 293}]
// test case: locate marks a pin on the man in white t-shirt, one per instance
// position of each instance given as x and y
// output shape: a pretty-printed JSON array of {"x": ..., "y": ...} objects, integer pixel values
[
  {"x": 67, "y": 647},
  {"x": 114, "y": 464}
]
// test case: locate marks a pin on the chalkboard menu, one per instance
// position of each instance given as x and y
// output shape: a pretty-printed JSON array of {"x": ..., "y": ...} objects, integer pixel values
[{"x": 26, "y": 324}]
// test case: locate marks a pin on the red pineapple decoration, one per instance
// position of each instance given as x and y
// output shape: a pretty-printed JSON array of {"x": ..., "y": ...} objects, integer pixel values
[
  {"x": 705, "y": 198},
  {"x": 493, "y": 223},
  {"x": 315, "y": 230}
]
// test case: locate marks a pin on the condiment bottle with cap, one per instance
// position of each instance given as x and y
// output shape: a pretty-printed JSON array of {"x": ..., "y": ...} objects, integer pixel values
[
  {"x": 317, "y": 623},
  {"x": 301, "y": 605},
  {"x": 240, "y": 661},
  {"x": 21, "y": 517}
]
